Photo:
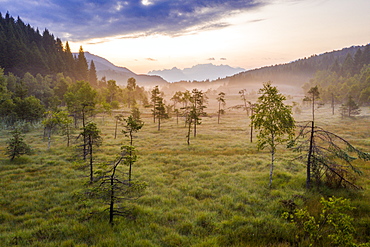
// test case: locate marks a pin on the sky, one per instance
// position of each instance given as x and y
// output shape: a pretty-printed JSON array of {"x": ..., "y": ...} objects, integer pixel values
[{"x": 146, "y": 35}]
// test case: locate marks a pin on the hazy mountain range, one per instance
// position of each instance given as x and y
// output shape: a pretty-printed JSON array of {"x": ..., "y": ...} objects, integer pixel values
[
  {"x": 104, "y": 68},
  {"x": 290, "y": 76},
  {"x": 200, "y": 72}
]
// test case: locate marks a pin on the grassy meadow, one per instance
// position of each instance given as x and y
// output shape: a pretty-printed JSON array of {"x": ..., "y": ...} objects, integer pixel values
[{"x": 213, "y": 192}]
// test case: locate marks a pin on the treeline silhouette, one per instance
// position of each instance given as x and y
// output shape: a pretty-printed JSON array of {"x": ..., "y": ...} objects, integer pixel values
[
  {"x": 23, "y": 49},
  {"x": 345, "y": 62}
]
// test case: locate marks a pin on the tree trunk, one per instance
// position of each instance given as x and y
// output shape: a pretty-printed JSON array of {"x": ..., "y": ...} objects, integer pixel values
[
  {"x": 308, "y": 179},
  {"x": 195, "y": 128},
  {"x": 84, "y": 136},
  {"x": 313, "y": 107},
  {"x": 272, "y": 161},
  {"x": 91, "y": 163},
  {"x": 115, "y": 130},
  {"x": 68, "y": 137},
  {"x": 189, "y": 130},
  {"x": 219, "y": 112},
  {"x": 130, "y": 167},
  {"x": 332, "y": 103},
  {"x": 272, "y": 167},
  {"x": 49, "y": 138},
  {"x": 111, "y": 206}
]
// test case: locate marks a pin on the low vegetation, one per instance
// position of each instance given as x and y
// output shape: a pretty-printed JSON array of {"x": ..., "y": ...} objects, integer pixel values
[{"x": 213, "y": 192}]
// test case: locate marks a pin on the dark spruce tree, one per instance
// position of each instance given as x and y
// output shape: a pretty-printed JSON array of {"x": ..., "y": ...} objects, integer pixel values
[
  {"x": 23, "y": 49},
  {"x": 93, "y": 78},
  {"x": 82, "y": 67}
]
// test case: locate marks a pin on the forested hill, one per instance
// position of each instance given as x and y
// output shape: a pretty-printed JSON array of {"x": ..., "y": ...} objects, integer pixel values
[
  {"x": 23, "y": 49},
  {"x": 347, "y": 61}
]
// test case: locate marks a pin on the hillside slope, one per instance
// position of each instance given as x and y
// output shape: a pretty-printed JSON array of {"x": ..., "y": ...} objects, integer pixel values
[{"x": 106, "y": 69}]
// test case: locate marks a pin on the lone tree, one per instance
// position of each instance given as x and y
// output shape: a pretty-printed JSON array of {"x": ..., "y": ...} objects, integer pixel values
[
  {"x": 113, "y": 189},
  {"x": 16, "y": 145},
  {"x": 243, "y": 93},
  {"x": 221, "y": 101},
  {"x": 119, "y": 118},
  {"x": 132, "y": 125},
  {"x": 91, "y": 134},
  {"x": 350, "y": 108},
  {"x": 131, "y": 86},
  {"x": 198, "y": 100},
  {"x": 314, "y": 94},
  {"x": 156, "y": 94},
  {"x": 177, "y": 98},
  {"x": 160, "y": 111},
  {"x": 273, "y": 119}
]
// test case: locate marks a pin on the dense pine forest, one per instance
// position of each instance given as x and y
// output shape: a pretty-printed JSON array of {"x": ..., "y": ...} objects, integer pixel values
[{"x": 85, "y": 162}]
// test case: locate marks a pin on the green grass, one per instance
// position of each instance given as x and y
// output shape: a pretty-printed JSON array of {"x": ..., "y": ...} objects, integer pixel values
[{"x": 211, "y": 193}]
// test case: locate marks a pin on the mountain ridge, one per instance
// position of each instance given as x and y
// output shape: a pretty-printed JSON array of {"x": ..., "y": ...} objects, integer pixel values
[
  {"x": 199, "y": 72},
  {"x": 105, "y": 68}
]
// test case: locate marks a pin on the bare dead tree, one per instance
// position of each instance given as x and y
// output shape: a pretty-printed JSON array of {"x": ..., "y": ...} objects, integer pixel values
[{"x": 328, "y": 157}]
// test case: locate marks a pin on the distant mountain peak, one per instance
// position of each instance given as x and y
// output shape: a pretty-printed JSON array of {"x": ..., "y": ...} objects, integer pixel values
[
  {"x": 104, "y": 68},
  {"x": 199, "y": 72}
]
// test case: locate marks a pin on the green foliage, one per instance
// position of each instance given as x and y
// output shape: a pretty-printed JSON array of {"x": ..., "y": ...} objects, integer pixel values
[
  {"x": 333, "y": 226},
  {"x": 349, "y": 108},
  {"x": 334, "y": 86},
  {"x": 194, "y": 111},
  {"x": 23, "y": 49},
  {"x": 81, "y": 100},
  {"x": 132, "y": 125},
  {"x": 56, "y": 119},
  {"x": 273, "y": 120},
  {"x": 16, "y": 146},
  {"x": 221, "y": 101},
  {"x": 210, "y": 194},
  {"x": 92, "y": 137}
]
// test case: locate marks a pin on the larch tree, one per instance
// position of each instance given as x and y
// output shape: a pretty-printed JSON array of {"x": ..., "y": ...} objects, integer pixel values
[{"x": 273, "y": 120}]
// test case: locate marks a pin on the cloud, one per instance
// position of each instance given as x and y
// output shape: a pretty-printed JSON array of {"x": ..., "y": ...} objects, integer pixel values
[
  {"x": 151, "y": 59},
  {"x": 211, "y": 59},
  {"x": 87, "y": 19},
  {"x": 223, "y": 59}
]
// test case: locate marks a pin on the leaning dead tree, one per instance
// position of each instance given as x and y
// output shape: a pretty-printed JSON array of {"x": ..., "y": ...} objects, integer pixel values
[{"x": 328, "y": 157}]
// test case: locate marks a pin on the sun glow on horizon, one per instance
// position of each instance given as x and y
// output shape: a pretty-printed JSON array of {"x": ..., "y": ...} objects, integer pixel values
[{"x": 277, "y": 33}]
